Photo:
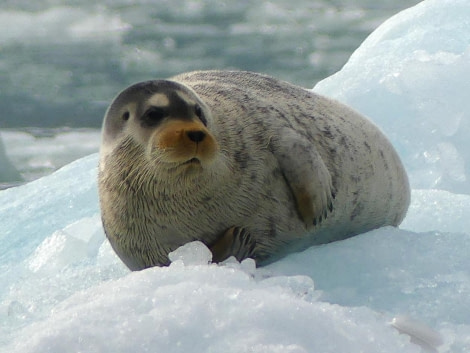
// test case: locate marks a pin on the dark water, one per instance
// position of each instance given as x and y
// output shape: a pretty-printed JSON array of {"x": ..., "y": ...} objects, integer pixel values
[{"x": 62, "y": 61}]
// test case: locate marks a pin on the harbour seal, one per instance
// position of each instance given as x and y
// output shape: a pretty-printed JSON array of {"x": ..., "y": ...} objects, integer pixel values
[{"x": 250, "y": 165}]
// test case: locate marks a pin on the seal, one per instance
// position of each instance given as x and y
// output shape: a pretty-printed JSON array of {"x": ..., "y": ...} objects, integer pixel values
[{"x": 250, "y": 165}]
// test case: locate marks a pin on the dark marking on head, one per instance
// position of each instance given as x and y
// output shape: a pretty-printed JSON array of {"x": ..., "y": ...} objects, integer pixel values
[
  {"x": 133, "y": 102},
  {"x": 154, "y": 116},
  {"x": 179, "y": 107},
  {"x": 200, "y": 114}
]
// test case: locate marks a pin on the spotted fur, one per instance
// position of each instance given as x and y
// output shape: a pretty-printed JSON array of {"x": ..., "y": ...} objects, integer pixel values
[{"x": 279, "y": 168}]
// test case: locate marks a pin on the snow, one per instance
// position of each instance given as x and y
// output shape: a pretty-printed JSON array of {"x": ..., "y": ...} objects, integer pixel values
[{"x": 62, "y": 288}]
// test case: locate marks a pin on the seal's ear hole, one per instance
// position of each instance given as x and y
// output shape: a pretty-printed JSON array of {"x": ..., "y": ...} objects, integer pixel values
[
  {"x": 199, "y": 113},
  {"x": 126, "y": 116}
]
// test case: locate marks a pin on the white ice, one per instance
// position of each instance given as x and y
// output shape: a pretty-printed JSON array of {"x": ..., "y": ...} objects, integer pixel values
[
  {"x": 8, "y": 172},
  {"x": 62, "y": 289},
  {"x": 35, "y": 157},
  {"x": 410, "y": 77}
]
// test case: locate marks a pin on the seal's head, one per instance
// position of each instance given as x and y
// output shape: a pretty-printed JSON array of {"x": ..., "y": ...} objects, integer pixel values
[{"x": 164, "y": 118}]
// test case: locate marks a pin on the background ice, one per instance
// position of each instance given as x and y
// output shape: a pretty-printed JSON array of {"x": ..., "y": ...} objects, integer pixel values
[
  {"x": 409, "y": 77},
  {"x": 63, "y": 289},
  {"x": 38, "y": 152},
  {"x": 62, "y": 61},
  {"x": 8, "y": 172}
]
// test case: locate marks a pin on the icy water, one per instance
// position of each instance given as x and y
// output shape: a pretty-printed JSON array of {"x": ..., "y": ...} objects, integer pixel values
[{"x": 61, "y": 62}]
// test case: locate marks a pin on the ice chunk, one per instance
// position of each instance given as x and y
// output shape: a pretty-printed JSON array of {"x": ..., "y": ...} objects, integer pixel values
[
  {"x": 420, "y": 333},
  {"x": 204, "y": 309},
  {"x": 76, "y": 242},
  {"x": 194, "y": 253},
  {"x": 408, "y": 77}
]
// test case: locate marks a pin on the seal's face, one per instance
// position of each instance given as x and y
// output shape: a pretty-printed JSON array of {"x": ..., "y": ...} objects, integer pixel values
[{"x": 167, "y": 119}]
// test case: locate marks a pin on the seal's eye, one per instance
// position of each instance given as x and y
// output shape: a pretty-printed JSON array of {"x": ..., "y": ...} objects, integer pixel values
[
  {"x": 200, "y": 114},
  {"x": 126, "y": 116},
  {"x": 154, "y": 115}
]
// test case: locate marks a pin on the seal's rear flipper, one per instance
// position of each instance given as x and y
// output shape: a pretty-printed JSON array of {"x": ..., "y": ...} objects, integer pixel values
[
  {"x": 235, "y": 242},
  {"x": 307, "y": 176}
]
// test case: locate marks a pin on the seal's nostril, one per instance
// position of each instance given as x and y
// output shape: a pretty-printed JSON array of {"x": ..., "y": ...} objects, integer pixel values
[{"x": 196, "y": 136}]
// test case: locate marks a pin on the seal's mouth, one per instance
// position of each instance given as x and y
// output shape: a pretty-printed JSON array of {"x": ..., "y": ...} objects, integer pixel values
[
  {"x": 193, "y": 160},
  {"x": 191, "y": 166}
]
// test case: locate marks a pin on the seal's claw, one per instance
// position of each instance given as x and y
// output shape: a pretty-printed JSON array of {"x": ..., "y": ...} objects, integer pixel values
[{"x": 237, "y": 242}]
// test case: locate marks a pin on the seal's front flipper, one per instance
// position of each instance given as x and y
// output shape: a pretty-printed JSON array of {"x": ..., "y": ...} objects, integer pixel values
[
  {"x": 307, "y": 176},
  {"x": 234, "y": 242}
]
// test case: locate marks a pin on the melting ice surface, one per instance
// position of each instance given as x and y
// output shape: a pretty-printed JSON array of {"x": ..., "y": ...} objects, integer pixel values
[{"x": 62, "y": 289}]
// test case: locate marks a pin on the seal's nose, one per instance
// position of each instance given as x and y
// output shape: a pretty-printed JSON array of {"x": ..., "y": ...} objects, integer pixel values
[{"x": 196, "y": 135}]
